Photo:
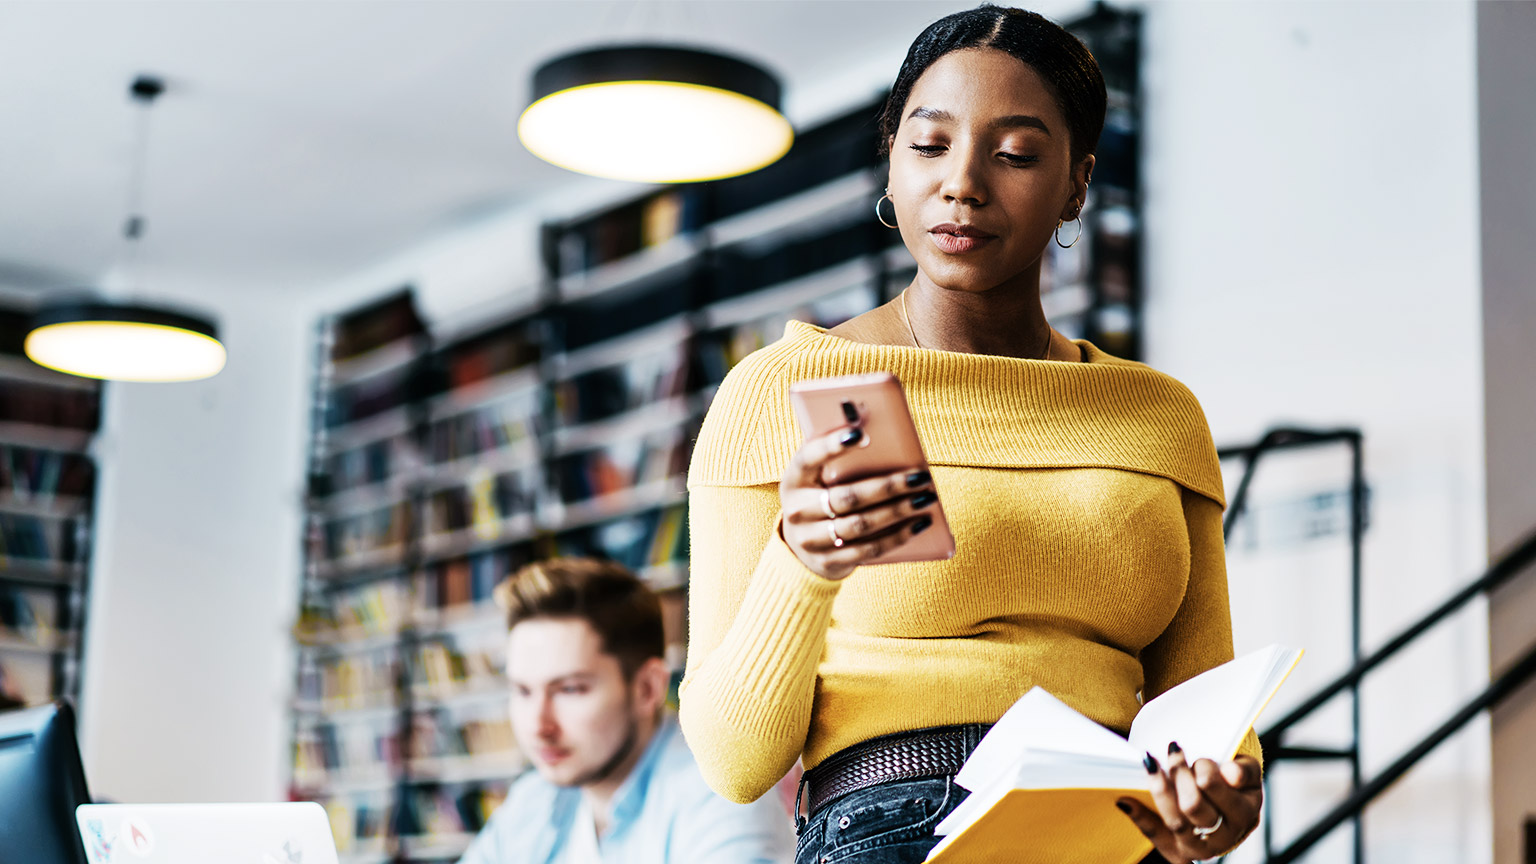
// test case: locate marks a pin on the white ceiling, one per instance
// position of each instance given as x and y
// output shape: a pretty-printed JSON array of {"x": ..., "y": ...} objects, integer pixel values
[{"x": 301, "y": 141}]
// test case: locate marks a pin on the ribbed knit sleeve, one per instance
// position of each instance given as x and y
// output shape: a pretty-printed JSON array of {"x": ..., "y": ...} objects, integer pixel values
[{"x": 757, "y": 627}]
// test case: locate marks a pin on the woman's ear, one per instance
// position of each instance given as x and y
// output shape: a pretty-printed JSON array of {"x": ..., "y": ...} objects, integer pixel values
[{"x": 1082, "y": 174}]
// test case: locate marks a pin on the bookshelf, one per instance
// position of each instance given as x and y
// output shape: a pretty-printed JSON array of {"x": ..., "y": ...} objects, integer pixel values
[
  {"x": 48, "y": 421},
  {"x": 444, "y": 461}
]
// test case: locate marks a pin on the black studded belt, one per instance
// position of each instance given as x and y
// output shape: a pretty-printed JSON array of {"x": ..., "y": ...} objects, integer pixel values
[{"x": 938, "y": 751}]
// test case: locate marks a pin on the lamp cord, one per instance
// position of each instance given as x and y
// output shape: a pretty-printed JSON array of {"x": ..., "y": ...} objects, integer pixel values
[{"x": 144, "y": 90}]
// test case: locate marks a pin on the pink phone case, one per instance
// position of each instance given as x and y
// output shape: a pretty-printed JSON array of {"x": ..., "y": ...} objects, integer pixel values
[{"x": 890, "y": 444}]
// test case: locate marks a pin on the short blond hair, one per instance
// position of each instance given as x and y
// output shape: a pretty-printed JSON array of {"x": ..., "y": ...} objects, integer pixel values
[{"x": 625, "y": 613}]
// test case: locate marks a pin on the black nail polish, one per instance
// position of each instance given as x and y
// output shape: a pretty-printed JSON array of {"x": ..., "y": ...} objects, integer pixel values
[
  {"x": 921, "y": 524},
  {"x": 918, "y": 478},
  {"x": 852, "y": 436},
  {"x": 1124, "y": 807},
  {"x": 1149, "y": 763},
  {"x": 1174, "y": 749},
  {"x": 924, "y": 499},
  {"x": 850, "y": 413}
]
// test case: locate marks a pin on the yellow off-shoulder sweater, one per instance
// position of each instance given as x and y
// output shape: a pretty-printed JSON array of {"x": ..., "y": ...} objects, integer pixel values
[{"x": 1086, "y": 503}]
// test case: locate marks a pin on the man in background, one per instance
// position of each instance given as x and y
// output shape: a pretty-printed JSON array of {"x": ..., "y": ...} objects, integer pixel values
[{"x": 613, "y": 779}]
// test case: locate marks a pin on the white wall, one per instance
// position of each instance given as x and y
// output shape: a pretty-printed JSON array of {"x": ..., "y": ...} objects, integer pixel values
[
  {"x": 1313, "y": 258},
  {"x": 196, "y": 565}
]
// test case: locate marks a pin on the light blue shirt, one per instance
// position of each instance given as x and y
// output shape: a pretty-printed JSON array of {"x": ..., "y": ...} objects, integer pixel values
[{"x": 663, "y": 813}]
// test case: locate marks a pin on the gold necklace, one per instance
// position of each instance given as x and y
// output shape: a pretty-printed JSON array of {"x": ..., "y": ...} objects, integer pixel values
[{"x": 907, "y": 319}]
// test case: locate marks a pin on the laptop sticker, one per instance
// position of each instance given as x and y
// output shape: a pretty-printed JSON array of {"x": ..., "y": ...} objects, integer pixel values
[
  {"x": 98, "y": 841},
  {"x": 137, "y": 837}
]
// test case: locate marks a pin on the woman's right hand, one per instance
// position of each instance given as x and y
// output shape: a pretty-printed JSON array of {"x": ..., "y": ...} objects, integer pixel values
[{"x": 834, "y": 529}]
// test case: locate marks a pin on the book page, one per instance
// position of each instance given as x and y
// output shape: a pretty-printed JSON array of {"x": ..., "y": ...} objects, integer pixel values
[
  {"x": 1210, "y": 713},
  {"x": 1045, "y": 769},
  {"x": 1038, "y": 721}
]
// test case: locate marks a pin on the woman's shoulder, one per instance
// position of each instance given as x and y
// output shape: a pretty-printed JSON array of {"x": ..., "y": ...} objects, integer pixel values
[
  {"x": 749, "y": 423},
  {"x": 1141, "y": 382}
]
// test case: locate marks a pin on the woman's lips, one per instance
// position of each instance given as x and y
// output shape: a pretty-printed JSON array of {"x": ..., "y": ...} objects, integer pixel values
[{"x": 955, "y": 244}]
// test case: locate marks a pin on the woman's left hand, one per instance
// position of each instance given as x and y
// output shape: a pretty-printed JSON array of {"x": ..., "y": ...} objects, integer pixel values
[{"x": 1228, "y": 797}]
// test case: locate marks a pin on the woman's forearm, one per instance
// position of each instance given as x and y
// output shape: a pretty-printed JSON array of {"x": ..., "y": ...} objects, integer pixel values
[{"x": 757, "y": 626}]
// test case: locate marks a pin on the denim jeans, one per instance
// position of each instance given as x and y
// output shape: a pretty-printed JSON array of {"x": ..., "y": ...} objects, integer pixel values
[{"x": 887, "y": 824}]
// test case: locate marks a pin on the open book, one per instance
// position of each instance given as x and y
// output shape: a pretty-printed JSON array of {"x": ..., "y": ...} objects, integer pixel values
[{"x": 1045, "y": 779}]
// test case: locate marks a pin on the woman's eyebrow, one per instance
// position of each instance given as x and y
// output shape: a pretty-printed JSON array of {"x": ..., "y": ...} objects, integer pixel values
[
  {"x": 938, "y": 115},
  {"x": 1011, "y": 121},
  {"x": 1016, "y": 121}
]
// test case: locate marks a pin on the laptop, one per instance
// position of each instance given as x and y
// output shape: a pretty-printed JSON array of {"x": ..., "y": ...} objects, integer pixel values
[{"x": 297, "y": 833}]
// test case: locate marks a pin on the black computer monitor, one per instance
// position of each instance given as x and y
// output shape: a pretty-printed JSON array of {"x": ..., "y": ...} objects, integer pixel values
[{"x": 41, "y": 784}]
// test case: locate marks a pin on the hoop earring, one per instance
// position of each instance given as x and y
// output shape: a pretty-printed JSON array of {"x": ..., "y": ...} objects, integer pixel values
[
  {"x": 878, "y": 214},
  {"x": 1079, "y": 220}
]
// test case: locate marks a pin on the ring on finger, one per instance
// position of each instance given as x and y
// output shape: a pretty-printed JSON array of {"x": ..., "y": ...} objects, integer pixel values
[
  {"x": 1203, "y": 833},
  {"x": 837, "y": 543},
  {"x": 826, "y": 504}
]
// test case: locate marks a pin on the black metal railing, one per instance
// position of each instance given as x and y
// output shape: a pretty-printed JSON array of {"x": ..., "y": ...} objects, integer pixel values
[
  {"x": 1362, "y": 792},
  {"x": 1289, "y": 438},
  {"x": 1522, "y": 556}
]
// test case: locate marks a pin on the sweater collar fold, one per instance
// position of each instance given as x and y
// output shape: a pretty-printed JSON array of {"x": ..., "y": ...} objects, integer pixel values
[{"x": 971, "y": 410}]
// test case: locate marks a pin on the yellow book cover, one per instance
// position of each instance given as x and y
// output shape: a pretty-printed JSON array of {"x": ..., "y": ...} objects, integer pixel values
[{"x": 1044, "y": 781}]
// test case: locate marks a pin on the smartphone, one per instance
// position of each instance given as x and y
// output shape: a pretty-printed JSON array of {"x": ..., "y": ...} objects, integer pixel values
[{"x": 877, "y": 406}]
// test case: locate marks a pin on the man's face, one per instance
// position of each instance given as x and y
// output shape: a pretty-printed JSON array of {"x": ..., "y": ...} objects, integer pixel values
[{"x": 572, "y": 711}]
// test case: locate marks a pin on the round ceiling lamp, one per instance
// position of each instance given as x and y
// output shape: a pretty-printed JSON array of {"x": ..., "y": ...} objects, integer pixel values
[
  {"x": 655, "y": 114},
  {"x": 127, "y": 341}
]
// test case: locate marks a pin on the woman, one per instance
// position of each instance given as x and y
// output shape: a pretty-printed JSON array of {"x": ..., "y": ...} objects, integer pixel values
[{"x": 1083, "y": 492}]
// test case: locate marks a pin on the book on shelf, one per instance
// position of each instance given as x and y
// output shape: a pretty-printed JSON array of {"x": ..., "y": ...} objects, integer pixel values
[
  {"x": 28, "y": 472},
  {"x": 507, "y": 422},
  {"x": 329, "y": 752},
  {"x": 30, "y": 614},
  {"x": 441, "y": 734},
  {"x": 483, "y": 503},
  {"x": 358, "y": 401},
  {"x": 362, "y": 680},
  {"x": 721, "y": 350},
  {"x": 370, "y": 463},
  {"x": 446, "y": 666},
  {"x": 620, "y": 466},
  {"x": 386, "y": 320},
  {"x": 623, "y": 386},
  {"x": 39, "y": 538},
  {"x": 370, "y": 610},
  {"x": 450, "y": 810},
  {"x": 641, "y": 541},
  {"x": 630, "y": 307},
  {"x": 382, "y": 528},
  {"x": 1044, "y": 780},
  {"x": 42, "y": 405},
  {"x": 505, "y": 349},
  {"x": 630, "y": 227},
  {"x": 468, "y": 581}
]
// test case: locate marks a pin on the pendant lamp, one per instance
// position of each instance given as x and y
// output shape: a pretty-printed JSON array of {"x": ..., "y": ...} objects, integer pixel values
[
  {"x": 126, "y": 341},
  {"x": 655, "y": 114}
]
